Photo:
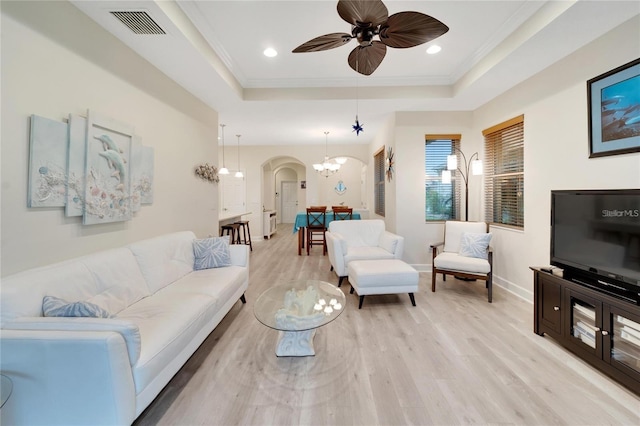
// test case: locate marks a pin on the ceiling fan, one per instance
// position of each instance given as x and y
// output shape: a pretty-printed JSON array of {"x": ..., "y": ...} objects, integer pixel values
[{"x": 369, "y": 18}]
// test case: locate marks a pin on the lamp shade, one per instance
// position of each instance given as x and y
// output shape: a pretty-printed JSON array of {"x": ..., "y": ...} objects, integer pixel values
[
  {"x": 446, "y": 176},
  {"x": 223, "y": 171},
  {"x": 452, "y": 162},
  {"x": 476, "y": 167}
]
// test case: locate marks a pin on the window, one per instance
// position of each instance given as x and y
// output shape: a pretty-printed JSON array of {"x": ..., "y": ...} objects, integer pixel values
[
  {"x": 442, "y": 200},
  {"x": 378, "y": 181},
  {"x": 504, "y": 178}
]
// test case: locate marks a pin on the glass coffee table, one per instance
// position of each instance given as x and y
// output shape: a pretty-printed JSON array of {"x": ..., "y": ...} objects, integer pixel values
[{"x": 296, "y": 310}]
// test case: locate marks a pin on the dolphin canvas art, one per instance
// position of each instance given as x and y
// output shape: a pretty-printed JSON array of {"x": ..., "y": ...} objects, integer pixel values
[{"x": 107, "y": 195}]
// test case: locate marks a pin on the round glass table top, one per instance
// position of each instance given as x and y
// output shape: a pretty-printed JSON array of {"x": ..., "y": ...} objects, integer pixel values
[
  {"x": 6, "y": 387},
  {"x": 299, "y": 305}
]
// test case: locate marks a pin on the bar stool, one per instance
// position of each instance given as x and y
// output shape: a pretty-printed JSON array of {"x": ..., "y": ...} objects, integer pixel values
[
  {"x": 244, "y": 224},
  {"x": 233, "y": 230}
]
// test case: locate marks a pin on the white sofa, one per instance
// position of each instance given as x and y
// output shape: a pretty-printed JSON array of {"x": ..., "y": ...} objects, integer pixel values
[
  {"x": 108, "y": 370},
  {"x": 349, "y": 240}
]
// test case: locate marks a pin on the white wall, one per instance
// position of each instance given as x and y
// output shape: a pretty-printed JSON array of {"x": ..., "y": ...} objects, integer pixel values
[
  {"x": 260, "y": 162},
  {"x": 386, "y": 138},
  {"x": 410, "y": 131},
  {"x": 349, "y": 174},
  {"x": 554, "y": 105},
  {"x": 49, "y": 69}
]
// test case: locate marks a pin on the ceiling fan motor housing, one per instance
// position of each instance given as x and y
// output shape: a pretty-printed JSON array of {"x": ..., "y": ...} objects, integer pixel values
[{"x": 364, "y": 35}]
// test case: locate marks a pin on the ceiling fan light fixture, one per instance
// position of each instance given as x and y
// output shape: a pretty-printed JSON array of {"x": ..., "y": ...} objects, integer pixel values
[{"x": 433, "y": 49}]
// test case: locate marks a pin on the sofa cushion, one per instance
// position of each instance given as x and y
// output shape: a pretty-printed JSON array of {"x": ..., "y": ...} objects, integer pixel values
[
  {"x": 359, "y": 233},
  {"x": 164, "y": 259},
  {"x": 168, "y": 322},
  {"x": 110, "y": 279},
  {"x": 474, "y": 244},
  {"x": 56, "y": 307},
  {"x": 455, "y": 262},
  {"x": 220, "y": 283},
  {"x": 119, "y": 281},
  {"x": 366, "y": 253},
  {"x": 22, "y": 293},
  {"x": 211, "y": 253}
]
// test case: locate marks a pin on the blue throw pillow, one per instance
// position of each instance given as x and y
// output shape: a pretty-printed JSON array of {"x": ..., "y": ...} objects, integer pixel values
[
  {"x": 56, "y": 307},
  {"x": 211, "y": 253},
  {"x": 474, "y": 245}
]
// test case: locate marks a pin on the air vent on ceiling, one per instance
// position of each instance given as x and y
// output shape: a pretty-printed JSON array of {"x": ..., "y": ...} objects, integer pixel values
[{"x": 139, "y": 22}]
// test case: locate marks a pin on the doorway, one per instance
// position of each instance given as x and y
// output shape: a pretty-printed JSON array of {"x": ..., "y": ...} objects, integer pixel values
[{"x": 289, "y": 200}]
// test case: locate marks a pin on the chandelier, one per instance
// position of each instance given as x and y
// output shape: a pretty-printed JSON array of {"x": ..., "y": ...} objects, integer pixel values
[{"x": 328, "y": 167}]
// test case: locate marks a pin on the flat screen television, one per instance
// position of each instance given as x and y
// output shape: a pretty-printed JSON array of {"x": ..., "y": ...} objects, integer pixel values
[{"x": 595, "y": 238}]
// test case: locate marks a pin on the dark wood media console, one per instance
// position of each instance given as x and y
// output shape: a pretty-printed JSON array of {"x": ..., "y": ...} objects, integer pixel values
[{"x": 601, "y": 329}]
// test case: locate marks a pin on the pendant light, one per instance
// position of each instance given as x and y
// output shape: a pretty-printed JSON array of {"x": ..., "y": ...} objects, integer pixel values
[
  {"x": 223, "y": 170},
  {"x": 326, "y": 167},
  {"x": 239, "y": 173}
]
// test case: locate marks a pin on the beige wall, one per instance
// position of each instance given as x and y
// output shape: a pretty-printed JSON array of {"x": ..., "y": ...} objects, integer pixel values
[
  {"x": 554, "y": 105},
  {"x": 49, "y": 69}
]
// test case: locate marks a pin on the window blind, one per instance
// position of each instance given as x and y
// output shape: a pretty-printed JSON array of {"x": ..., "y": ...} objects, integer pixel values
[
  {"x": 504, "y": 177},
  {"x": 442, "y": 200},
  {"x": 378, "y": 188}
]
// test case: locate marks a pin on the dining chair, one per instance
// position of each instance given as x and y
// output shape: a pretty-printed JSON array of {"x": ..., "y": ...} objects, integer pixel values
[
  {"x": 342, "y": 213},
  {"x": 316, "y": 228}
]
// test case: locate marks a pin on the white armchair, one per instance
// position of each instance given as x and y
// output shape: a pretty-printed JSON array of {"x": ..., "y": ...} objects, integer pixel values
[
  {"x": 465, "y": 254},
  {"x": 349, "y": 240}
]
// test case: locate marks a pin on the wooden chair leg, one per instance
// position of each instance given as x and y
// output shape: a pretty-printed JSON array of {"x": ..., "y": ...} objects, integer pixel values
[
  {"x": 490, "y": 287},
  {"x": 433, "y": 279}
]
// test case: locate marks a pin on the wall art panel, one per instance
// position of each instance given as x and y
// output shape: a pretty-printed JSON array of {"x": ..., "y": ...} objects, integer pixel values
[
  {"x": 47, "y": 163},
  {"x": 76, "y": 165},
  {"x": 108, "y": 171}
]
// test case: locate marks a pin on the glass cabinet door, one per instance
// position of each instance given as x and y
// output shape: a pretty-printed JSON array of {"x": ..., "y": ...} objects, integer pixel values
[
  {"x": 585, "y": 321},
  {"x": 622, "y": 348}
]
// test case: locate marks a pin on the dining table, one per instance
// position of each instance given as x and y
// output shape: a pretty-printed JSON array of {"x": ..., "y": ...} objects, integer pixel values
[{"x": 300, "y": 225}]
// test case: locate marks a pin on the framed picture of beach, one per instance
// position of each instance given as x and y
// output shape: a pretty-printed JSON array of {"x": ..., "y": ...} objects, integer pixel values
[{"x": 614, "y": 111}]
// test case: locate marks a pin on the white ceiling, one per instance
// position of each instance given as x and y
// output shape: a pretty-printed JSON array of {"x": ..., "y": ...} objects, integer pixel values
[{"x": 214, "y": 50}]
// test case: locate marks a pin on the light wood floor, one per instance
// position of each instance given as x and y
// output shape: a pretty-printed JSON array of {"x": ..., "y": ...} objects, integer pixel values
[{"x": 453, "y": 359}]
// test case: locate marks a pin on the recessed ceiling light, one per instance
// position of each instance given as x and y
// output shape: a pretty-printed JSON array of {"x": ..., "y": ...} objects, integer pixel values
[
  {"x": 270, "y": 52},
  {"x": 433, "y": 49}
]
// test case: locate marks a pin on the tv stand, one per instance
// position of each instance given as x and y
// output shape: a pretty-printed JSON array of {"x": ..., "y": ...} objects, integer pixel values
[{"x": 602, "y": 329}]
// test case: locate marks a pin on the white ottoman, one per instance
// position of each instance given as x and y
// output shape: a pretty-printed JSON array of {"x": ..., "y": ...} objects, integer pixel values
[{"x": 384, "y": 276}]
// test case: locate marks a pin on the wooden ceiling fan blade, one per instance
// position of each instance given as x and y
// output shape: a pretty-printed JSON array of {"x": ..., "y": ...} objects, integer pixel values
[
  {"x": 409, "y": 29},
  {"x": 324, "y": 42},
  {"x": 361, "y": 13},
  {"x": 366, "y": 59}
]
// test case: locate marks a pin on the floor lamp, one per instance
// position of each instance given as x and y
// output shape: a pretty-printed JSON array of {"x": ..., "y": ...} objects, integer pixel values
[{"x": 475, "y": 166}]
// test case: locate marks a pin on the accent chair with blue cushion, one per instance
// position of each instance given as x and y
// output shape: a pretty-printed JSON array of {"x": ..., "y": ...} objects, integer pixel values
[{"x": 465, "y": 253}]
